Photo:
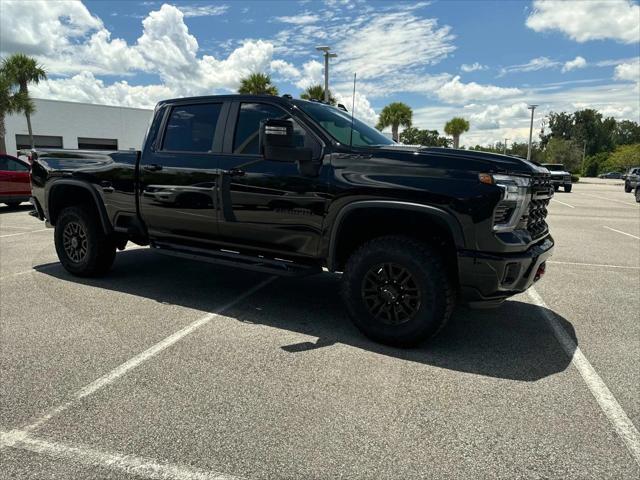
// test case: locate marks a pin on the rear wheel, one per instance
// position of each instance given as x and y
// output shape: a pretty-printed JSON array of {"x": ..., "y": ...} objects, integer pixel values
[
  {"x": 567, "y": 188},
  {"x": 82, "y": 246},
  {"x": 397, "y": 290},
  {"x": 556, "y": 187},
  {"x": 638, "y": 194}
]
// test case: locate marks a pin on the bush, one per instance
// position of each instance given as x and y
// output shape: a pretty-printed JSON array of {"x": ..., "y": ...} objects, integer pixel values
[
  {"x": 594, "y": 164},
  {"x": 575, "y": 178}
]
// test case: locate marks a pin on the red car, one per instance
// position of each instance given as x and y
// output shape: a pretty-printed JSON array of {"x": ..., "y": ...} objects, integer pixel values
[{"x": 15, "y": 181}]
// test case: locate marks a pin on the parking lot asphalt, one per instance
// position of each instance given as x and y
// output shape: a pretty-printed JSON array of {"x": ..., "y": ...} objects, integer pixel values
[{"x": 168, "y": 368}]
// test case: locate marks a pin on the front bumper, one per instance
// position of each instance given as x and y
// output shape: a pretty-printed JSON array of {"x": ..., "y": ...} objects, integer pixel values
[
  {"x": 560, "y": 181},
  {"x": 487, "y": 279}
]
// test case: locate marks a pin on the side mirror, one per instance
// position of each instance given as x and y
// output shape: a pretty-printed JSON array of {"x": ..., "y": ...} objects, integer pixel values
[{"x": 277, "y": 143}]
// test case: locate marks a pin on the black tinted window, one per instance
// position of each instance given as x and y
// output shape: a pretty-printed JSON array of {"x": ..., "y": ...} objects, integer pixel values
[
  {"x": 191, "y": 127},
  {"x": 11, "y": 165},
  {"x": 247, "y": 133}
]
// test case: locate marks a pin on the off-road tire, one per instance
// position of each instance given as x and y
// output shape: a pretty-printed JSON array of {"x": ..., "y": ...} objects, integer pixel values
[
  {"x": 99, "y": 251},
  {"x": 429, "y": 274},
  {"x": 627, "y": 187},
  {"x": 567, "y": 188}
]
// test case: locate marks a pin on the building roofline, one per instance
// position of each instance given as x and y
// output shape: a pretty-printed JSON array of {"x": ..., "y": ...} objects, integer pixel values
[{"x": 92, "y": 104}]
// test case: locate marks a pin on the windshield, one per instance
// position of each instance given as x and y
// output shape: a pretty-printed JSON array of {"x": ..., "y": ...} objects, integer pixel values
[
  {"x": 554, "y": 167},
  {"x": 338, "y": 123}
]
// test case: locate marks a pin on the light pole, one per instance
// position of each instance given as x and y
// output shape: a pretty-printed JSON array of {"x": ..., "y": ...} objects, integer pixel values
[
  {"x": 504, "y": 147},
  {"x": 327, "y": 55},
  {"x": 532, "y": 108}
]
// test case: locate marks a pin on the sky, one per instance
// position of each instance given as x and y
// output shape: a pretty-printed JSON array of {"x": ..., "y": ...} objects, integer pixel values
[{"x": 482, "y": 60}]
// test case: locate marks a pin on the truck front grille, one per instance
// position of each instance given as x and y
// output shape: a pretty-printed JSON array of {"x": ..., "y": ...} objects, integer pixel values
[{"x": 541, "y": 193}]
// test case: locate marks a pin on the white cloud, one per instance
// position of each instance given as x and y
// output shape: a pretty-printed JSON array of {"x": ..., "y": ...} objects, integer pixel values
[
  {"x": 535, "y": 64},
  {"x": 312, "y": 74},
  {"x": 588, "y": 20},
  {"x": 389, "y": 42},
  {"x": 302, "y": 19},
  {"x": 578, "y": 62},
  {"x": 284, "y": 69},
  {"x": 203, "y": 10},
  {"x": 40, "y": 27},
  {"x": 472, "y": 67},
  {"x": 362, "y": 110},
  {"x": 628, "y": 71},
  {"x": 454, "y": 91}
]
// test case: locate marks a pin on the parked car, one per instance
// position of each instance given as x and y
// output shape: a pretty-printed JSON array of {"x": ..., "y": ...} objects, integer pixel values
[
  {"x": 559, "y": 176},
  {"x": 631, "y": 179},
  {"x": 291, "y": 186},
  {"x": 614, "y": 175},
  {"x": 15, "y": 184}
]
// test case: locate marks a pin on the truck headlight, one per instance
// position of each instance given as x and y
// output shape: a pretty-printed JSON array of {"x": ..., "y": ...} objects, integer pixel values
[{"x": 514, "y": 202}]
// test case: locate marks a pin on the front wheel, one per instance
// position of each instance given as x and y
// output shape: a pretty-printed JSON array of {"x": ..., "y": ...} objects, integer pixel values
[
  {"x": 627, "y": 187},
  {"x": 638, "y": 194},
  {"x": 567, "y": 188},
  {"x": 397, "y": 290},
  {"x": 82, "y": 246}
]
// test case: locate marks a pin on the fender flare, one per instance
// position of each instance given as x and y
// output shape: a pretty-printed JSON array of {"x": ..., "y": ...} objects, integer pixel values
[
  {"x": 97, "y": 200},
  {"x": 437, "y": 213}
]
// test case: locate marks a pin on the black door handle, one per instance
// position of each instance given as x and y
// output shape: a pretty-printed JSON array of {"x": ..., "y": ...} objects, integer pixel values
[{"x": 152, "y": 167}]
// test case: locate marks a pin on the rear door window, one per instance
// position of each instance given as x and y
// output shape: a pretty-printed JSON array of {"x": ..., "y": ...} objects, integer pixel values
[{"x": 191, "y": 128}]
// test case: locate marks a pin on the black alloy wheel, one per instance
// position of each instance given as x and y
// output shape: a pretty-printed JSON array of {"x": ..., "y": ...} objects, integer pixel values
[
  {"x": 391, "y": 293},
  {"x": 74, "y": 239}
]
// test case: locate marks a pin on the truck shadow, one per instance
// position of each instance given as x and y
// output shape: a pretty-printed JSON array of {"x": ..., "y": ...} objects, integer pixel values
[
  {"x": 513, "y": 342},
  {"x": 23, "y": 207}
]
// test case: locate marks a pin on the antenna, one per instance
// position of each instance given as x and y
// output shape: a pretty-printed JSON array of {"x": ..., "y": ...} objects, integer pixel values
[{"x": 353, "y": 109}]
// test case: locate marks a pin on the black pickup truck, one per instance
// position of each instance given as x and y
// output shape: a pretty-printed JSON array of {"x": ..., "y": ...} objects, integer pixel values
[{"x": 293, "y": 187}]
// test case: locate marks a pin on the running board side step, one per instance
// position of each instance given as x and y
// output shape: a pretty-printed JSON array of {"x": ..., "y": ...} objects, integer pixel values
[{"x": 229, "y": 258}]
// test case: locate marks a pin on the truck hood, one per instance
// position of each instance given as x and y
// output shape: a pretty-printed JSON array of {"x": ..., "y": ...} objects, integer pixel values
[{"x": 465, "y": 159}]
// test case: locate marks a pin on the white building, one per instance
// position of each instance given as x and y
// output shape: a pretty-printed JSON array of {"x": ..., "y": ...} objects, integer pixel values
[{"x": 58, "y": 124}]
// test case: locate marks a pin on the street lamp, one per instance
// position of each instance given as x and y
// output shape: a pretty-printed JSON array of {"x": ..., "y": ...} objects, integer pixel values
[
  {"x": 532, "y": 108},
  {"x": 504, "y": 147},
  {"x": 327, "y": 55}
]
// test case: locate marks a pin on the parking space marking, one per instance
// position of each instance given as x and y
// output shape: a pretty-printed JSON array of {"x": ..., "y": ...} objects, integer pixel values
[
  {"x": 623, "y": 233},
  {"x": 558, "y": 201},
  {"x": 129, "y": 464},
  {"x": 629, "y": 204},
  {"x": 603, "y": 265},
  {"x": 25, "y": 233},
  {"x": 137, "y": 360},
  {"x": 623, "y": 426},
  {"x": 2, "y": 225}
]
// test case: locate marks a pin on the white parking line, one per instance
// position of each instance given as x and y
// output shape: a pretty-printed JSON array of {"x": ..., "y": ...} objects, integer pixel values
[
  {"x": 134, "y": 362},
  {"x": 620, "y": 231},
  {"x": 566, "y": 204},
  {"x": 25, "y": 233},
  {"x": 603, "y": 265},
  {"x": 629, "y": 204},
  {"x": 129, "y": 464},
  {"x": 2, "y": 225},
  {"x": 623, "y": 426}
]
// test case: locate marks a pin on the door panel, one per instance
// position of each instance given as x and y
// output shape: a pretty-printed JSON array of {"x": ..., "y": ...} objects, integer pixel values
[
  {"x": 267, "y": 204},
  {"x": 178, "y": 182},
  {"x": 14, "y": 177}
]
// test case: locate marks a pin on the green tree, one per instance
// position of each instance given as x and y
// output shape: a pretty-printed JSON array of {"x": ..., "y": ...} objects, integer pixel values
[
  {"x": 595, "y": 164},
  {"x": 564, "y": 151},
  {"x": 316, "y": 92},
  {"x": 456, "y": 127},
  {"x": 23, "y": 70},
  {"x": 624, "y": 157},
  {"x": 11, "y": 101},
  {"x": 626, "y": 133},
  {"x": 428, "y": 138},
  {"x": 257, "y": 84},
  {"x": 394, "y": 115}
]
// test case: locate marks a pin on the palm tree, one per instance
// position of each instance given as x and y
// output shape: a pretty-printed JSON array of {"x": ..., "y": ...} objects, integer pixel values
[
  {"x": 10, "y": 102},
  {"x": 24, "y": 70},
  {"x": 257, "y": 84},
  {"x": 316, "y": 92},
  {"x": 394, "y": 115},
  {"x": 456, "y": 127}
]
